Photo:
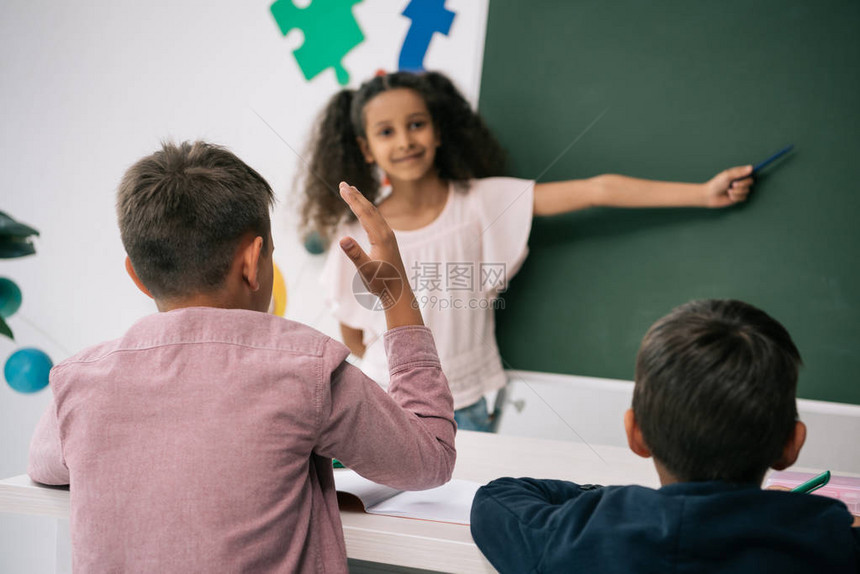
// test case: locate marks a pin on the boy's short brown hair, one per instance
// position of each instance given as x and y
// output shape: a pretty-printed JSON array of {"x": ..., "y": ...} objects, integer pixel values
[
  {"x": 182, "y": 212},
  {"x": 715, "y": 391}
]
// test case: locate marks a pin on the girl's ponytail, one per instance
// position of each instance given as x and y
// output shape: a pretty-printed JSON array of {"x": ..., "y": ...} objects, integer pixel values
[
  {"x": 335, "y": 157},
  {"x": 468, "y": 150}
]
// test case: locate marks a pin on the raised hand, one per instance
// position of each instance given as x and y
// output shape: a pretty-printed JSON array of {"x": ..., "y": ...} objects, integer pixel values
[{"x": 382, "y": 269}]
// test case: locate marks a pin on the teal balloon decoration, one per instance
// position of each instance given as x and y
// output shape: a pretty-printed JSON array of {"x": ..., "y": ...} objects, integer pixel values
[
  {"x": 27, "y": 370},
  {"x": 314, "y": 243},
  {"x": 10, "y": 297}
]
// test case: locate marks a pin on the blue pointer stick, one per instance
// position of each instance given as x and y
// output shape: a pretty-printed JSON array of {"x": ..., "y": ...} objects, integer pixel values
[{"x": 762, "y": 164}]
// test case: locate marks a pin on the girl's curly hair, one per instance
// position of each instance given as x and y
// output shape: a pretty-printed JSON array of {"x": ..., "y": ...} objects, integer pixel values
[{"x": 468, "y": 149}]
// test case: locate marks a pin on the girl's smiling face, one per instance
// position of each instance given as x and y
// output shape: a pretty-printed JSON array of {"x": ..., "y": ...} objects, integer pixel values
[{"x": 400, "y": 136}]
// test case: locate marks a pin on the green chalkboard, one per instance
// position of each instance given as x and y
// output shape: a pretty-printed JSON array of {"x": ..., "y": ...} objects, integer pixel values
[{"x": 689, "y": 88}]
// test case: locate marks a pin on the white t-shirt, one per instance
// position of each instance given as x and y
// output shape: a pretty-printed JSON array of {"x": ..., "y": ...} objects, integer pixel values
[{"x": 457, "y": 265}]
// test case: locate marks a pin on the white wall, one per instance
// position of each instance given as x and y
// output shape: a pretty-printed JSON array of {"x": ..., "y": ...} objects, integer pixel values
[
  {"x": 591, "y": 410},
  {"x": 90, "y": 87}
]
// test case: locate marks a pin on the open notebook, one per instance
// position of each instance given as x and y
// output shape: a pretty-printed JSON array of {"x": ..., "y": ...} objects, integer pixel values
[{"x": 451, "y": 502}]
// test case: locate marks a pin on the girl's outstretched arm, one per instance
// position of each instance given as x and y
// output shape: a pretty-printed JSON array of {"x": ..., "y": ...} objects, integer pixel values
[{"x": 726, "y": 188}]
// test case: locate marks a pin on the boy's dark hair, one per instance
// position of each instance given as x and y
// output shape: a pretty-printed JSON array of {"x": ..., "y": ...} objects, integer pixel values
[
  {"x": 468, "y": 149},
  {"x": 182, "y": 212},
  {"x": 715, "y": 391}
]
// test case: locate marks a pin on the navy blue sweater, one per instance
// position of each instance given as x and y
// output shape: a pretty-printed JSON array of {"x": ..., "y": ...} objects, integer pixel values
[{"x": 527, "y": 525}]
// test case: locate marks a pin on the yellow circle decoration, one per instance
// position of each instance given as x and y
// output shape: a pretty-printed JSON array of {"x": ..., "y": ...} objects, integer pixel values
[{"x": 279, "y": 294}]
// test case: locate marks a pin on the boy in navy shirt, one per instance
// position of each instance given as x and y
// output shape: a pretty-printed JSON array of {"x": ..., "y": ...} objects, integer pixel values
[{"x": 714, "y": 404}]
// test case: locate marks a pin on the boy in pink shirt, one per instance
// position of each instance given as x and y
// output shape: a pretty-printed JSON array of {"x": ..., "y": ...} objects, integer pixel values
[{"x": 201, "y": 440}]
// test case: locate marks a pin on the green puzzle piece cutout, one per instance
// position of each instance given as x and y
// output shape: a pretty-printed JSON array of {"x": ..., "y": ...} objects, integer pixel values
[{"x": 330, "y": 33}]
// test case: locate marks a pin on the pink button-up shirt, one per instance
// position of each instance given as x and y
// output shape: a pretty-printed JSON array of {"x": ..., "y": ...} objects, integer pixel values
[{"x": 201, "y": 441}]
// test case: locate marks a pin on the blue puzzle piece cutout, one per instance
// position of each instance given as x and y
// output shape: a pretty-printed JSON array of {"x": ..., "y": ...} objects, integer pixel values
[
  {"x": 428, "y": 17},
  {"x": 330, "y": 30}
]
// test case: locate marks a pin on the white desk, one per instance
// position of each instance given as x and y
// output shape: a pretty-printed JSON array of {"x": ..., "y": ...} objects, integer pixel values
[{"x": 415, "y": 543}]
